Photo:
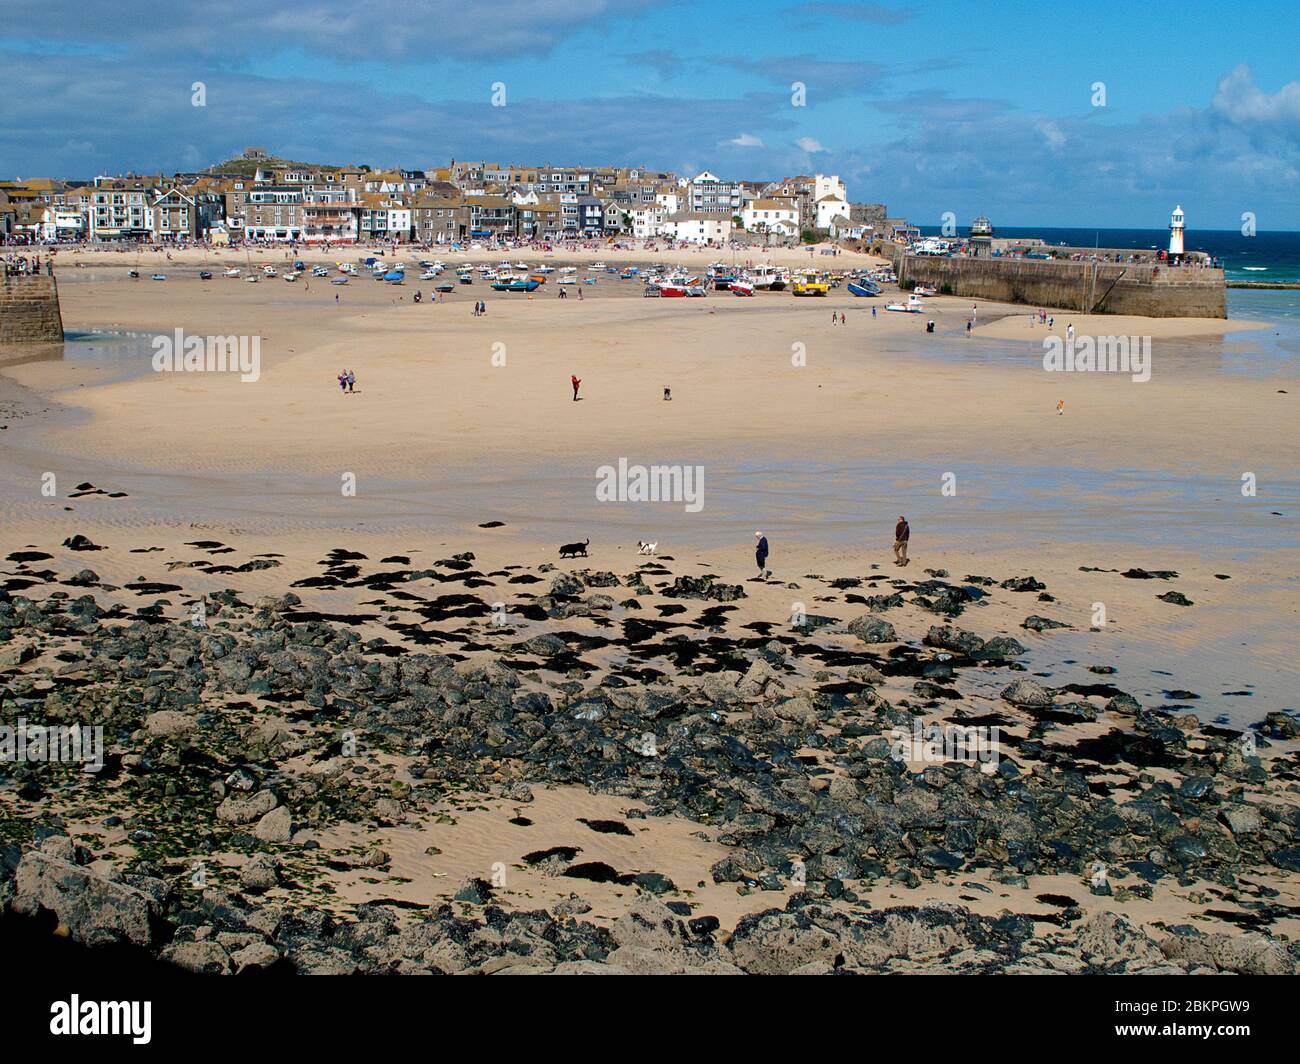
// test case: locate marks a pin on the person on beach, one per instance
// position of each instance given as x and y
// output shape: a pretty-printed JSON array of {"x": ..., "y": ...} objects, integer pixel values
[
  {"x": 902, "y": 533},
  {"x": 576, "y": 384},
  {"x": 873, "y": 312},
  {"x": 668, "y": 395},
  {"x": 969, "y": 325},
  {"x": 1060, "y": 406},
  {"x": 760, "y": 556},
  {"x": 343, "y": 381},
  {"x": 352, "y": 381},
  {"x": 1069, "y": 333}
]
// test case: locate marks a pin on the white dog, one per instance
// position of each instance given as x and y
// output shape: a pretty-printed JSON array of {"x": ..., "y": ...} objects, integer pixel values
[{"x": 646, "y": 548}]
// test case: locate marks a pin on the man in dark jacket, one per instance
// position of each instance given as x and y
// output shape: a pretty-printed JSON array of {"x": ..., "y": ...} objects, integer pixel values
[
  {"x": 902, "y": 533},
  {"x": 760, "y": 555}
]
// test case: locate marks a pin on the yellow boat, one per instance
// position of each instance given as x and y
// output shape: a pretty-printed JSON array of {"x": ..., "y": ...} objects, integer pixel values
[{"x": 809, "y": 285}]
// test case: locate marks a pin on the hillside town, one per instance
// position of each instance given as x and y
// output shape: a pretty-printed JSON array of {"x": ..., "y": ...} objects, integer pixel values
[{"x": 263, "y": 200}]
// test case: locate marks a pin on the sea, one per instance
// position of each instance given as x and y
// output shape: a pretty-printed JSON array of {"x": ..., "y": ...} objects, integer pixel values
[{"x": 1272, "y": 256}]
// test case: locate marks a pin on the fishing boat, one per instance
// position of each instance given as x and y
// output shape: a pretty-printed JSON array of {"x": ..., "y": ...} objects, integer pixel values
[
  {"x": 252, "y": 278},
  {"x": 429, "y": 275},
  {"x": 670, "y": 290},
  {"x": 926, "y": 290},
  {"x": 567, "y": 279},
  {"x": 528, "y": 285},
  {"x": 545, "y": 269},
  {"x": 808, "y": 285},
  {"x": 268, "y": 271},
  {"x": 319, "y": 271},
  {"x": 292, "y": 275},
  {"x": 914, "y": 305},
  {"x": 444, "y": 288},
  {"x": 742, "y": 288},
  {"x": 232, "y": 272},
  {"x": 864, "y": 286},
  {"x": 768, "y": 278},
  {"x": 134, "y": 274},
  {"x": 204, "y": 275},
  {"x": 394, "y": 277},
  {"x": 159, "y": 277},
  {"x": 333, "y": 280},
  {"x": 722, "y": 282},
  {"x": 465, "y": 277}
]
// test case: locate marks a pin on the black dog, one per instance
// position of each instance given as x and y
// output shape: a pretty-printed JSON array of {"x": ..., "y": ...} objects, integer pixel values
[{"x": 572, "y": 550}]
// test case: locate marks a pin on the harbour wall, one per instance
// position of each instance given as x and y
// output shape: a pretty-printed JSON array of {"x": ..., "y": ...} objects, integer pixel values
[
  {"x": 29, "y": 310},
  {"x": 1150, "y": 289}
]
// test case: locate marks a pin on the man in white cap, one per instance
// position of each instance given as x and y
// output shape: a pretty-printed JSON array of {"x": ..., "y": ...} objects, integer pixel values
[{"x": 760, "y": 555}]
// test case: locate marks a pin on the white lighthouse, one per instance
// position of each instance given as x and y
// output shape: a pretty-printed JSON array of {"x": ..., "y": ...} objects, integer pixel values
[{"x": 1176, "y": 232}]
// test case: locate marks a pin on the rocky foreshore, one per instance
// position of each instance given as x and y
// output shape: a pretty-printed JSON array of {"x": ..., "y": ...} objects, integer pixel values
[{"x": 258, "y": 752}]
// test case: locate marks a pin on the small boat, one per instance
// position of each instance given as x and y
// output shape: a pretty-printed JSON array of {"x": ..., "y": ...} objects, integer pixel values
[
  {"x": 159, "y": 277},
  {"x": 292, "y": 275},
  {"x": 742, "y": 288},
  {"x": 914, "y": 305},
  {"x": 465, "y": 278},
  {"x": 319, "y": 271},
  {"x": 567, "y": 279},
  {"x": 596, "y": 266},
  {"x": 926, "y": 290},
  {"x": 269, "y": 271},
  {"x": 394, "y": 277},
  {"x": 333, "y": 280},
  {"x": 133, "y": 274},
  {"x": 545, "y": 269},
  {"x": 299, "y": 265},
  {"x": 428, "y": 275},
  {"x": 589, "y": 280},
  {"x": 204, "y": 275},
  {"x": 669, "y": 290},
  {"x": 515, "y": 286},
  {"x": 444, "y": 288},
  {"x": 864, "y": 287},
  {"x": 232, "y": 272},
  {"x": 252, "y": 278}
]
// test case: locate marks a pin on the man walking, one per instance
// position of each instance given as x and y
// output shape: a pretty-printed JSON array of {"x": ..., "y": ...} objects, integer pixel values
[
  {"x": 573, "y": 379},
  {"x": 760, "y": 556},
  {"x": 902, "y": 533}
]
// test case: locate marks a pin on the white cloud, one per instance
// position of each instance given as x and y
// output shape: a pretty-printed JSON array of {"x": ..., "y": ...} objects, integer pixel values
[
  {"x": 809, "y": 144},
  {"x": 745, "y": 140},
  {"x": 1240, "y": 100}
]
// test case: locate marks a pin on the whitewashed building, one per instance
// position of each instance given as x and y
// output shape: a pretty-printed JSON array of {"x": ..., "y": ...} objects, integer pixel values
[
  {"x": 698, "y": 227},
  {"x": 771, "y": 216}
]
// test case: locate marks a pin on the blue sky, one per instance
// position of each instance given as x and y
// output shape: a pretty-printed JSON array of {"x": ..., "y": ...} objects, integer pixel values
[{"x": 949, "y": 105}]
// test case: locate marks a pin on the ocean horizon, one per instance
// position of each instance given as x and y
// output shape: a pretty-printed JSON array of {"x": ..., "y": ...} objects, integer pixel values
[{"x": 1266, "y": 256}]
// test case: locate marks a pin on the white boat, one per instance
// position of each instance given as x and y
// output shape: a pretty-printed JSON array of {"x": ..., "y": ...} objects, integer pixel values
[
  {"x": 926, "y": 290},
  {"x": 232, "y": 272},
  {"x": 268, "y": 271},
  {"x": 770, "y": 278},
  {"x": 252, "y": 278},
  {"x": 741, "y": 288},
  {"x": 545, "y": 269},
  {"x": 292, "y": 275},
  {"x": 914, "y": 305},
  {"x": 568, "y": 278},
  {"x": 319, "y": 271},
  {"x": 429, "y": 275}
]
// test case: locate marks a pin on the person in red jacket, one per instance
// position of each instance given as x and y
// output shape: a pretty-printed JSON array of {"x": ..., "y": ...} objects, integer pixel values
[
  {"x": 902, "y": 533},
  {"x": 575, "y": 382}
]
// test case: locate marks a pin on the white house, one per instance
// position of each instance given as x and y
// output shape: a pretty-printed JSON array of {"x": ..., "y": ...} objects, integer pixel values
[
  {"x": 829, "y": 208},
  {"x": 829, "y": 185},
  {"x": 771, "y": 216},
  {"x": 699, "y": 227},
  {"x": 647, "y": 220},
  {"x": 710, "y": 194}
]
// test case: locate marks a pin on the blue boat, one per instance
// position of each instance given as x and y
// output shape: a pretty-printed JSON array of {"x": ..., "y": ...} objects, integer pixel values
[
  {"x": 864, "y": 287},
  {"x": 515, "y": 286},
  {"x": 396, "y": 276}
]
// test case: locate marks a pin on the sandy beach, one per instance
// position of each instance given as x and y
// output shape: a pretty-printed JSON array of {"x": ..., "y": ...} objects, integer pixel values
[{"x": 463, "y": 436}]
